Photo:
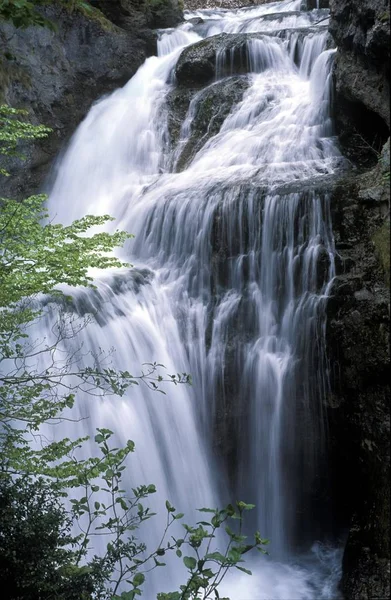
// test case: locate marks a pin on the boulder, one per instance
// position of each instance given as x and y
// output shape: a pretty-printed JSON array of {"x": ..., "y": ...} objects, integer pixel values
[{"x": 219, "y": 56}]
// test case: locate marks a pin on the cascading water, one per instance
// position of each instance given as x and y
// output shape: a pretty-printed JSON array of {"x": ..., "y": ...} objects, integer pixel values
[{"x": 233, "y": 256}]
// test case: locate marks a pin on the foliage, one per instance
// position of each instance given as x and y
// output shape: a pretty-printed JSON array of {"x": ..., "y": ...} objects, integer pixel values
[
  {"x": 24, "y": 13},
  {"x": 13, "y": 130},
  {"x": 36, "y": 258},
  {"x": 39, "y": 557},
  {"x": 31, "y": 512},
  {"x": 208, "y": 567},
  {"x": 381, "y": 240}
]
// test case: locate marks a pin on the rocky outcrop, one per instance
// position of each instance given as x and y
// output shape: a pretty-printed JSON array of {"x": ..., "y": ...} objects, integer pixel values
[
  {"x": 362, "y": 75},
  {"x": 220, "y": 55},
  {"x": 57, "y": 75},
  {"x": 226, "y": 54},
  {"x": 211, "y": 107},
  {"x": 138, "y": 14},
  {"x": 358, "y": 346},
  {"x": 358, "y": 326}
]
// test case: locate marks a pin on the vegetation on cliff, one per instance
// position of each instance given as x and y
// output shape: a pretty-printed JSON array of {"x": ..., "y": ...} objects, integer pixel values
[{"x": 25, "y": 13}]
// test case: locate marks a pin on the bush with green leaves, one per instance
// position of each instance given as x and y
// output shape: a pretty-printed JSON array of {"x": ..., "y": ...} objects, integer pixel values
[
  {"x": 24, "y": 13},
  {"x": 37, "y": 559}
]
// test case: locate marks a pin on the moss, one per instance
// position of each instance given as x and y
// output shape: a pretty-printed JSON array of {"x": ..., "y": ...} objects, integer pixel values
[
  {"x": 11, "y": 73},
  {"x": 96, "y": 15},
  {"x": 381, "y": 239},
  {"x": 155, "y": 4},
  {"x": 90, "y": 12},
  {"x": 4, "y": 80}
]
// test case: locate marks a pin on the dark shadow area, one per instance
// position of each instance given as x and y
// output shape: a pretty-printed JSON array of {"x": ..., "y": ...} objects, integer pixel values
[{"x": 362, "y": 133}]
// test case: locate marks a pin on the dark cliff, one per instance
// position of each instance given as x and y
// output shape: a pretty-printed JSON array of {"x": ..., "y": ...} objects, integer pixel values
[
  {"x": 57, "y": 75},
  {"x": 360, "y": 29},
  {"x": 358, "y": 312}
]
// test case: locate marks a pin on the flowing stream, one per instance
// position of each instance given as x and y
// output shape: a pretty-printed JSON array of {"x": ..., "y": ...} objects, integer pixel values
[{"x": 233, "y": 259}]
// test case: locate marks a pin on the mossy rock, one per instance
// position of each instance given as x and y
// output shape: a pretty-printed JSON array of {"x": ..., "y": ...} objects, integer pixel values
[
  {"x": 94, "y": 14},
  {"x": 138, "y": 14},
  {"x": 381, "y": 239}
]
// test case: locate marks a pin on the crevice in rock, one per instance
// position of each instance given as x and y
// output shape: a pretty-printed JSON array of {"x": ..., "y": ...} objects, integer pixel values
[{"x": 362, "y": 132}]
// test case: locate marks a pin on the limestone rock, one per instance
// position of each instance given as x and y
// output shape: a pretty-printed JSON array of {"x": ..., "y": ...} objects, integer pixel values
[{"x": 57, "y": 75}]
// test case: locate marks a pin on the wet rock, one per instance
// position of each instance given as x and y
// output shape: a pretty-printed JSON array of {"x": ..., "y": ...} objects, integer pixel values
[
  {"x": 322, "y": 267},
  {"x": 222, "y": 55},
  {"x": 196, "y": 64},
  {"x": 195, "y": 21},
  {"x": 313, "y": 4},
  {"x": 213, "y": 105},
  {"x": 367, "y": 577}
]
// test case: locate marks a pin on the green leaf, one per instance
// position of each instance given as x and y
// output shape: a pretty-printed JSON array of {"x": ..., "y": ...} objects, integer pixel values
[
  {"x": 159, "y": 564},
  {"x": 243, "y": 506},
  {"x": 190, "y": 562},
  {"x": 169, "y": 507},
  {"x": 138, "y": 579},
  {"x": 216, "y": 556},
  {"x": 216, "y": 521},
  {"x": 244, "y": 570}
]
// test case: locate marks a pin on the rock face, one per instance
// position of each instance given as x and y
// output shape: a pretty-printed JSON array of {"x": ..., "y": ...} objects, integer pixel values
[
  {"x": 358, "y": 344},
  {"x": 137, "y": 14},
  {"x": 58, "y": 75},
  {"x": 358, "y": 312},
  {"x": 360, "y": 29}
]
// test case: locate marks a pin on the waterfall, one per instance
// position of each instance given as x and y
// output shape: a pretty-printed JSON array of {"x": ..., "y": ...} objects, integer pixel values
[{"x": 233, "y": 258}]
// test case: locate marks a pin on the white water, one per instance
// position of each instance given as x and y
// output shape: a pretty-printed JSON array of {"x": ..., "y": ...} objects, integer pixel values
[{"x": 253, "y": 319}]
